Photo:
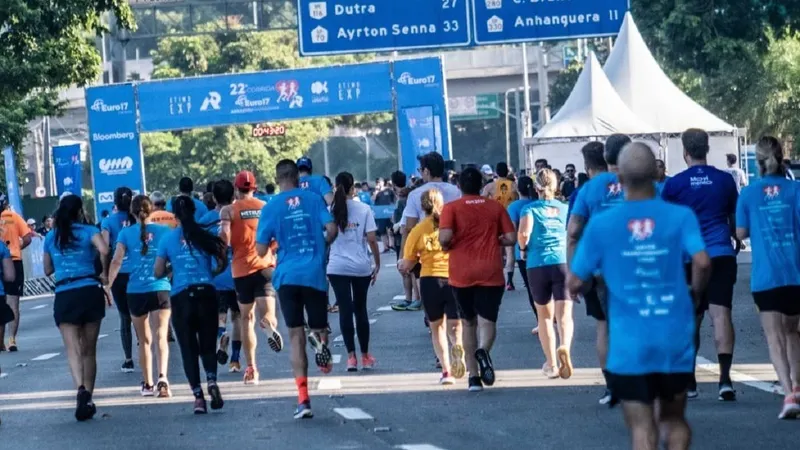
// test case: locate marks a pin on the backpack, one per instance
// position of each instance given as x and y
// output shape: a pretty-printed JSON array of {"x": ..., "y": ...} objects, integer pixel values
[{"x": 504, "y": 191}]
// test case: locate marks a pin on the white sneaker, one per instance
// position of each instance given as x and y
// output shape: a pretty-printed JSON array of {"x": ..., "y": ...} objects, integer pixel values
[
  {"x": 791, "y": 408},
  {"x": 447, "y": 380},
  {"x": 550, "y": 371}
]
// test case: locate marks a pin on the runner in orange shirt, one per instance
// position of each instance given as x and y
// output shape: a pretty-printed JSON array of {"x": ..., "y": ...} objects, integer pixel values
[
  {"x": 160, "y": 215},
  {"x": 252, "y": 275},
  {"x": 16, "y": 235}
]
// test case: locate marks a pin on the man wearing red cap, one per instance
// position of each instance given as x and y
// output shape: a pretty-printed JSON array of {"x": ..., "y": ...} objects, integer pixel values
[{"x": 252, "y": 274}]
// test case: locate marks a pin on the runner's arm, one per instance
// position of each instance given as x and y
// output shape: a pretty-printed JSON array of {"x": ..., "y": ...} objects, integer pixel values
[
  {"x": 328, "y": 198},
  {"x": 574, "y": 232},
  {"x": 693, "y": 244},
  {"x": 9, "y": 274},
  {"x": 102, "y": 250},
  {"x": 225, "y": 225},
  {"x": 409, "y": 253},
  {"x": 524, "y": 234},
  {"x": 160, "y": 268},
  {"x": 331, "y": 231},
  {"x": 509, "y": 236},
  {"x": 585, "y": 264},
  {"x": 47, "y": 261}
]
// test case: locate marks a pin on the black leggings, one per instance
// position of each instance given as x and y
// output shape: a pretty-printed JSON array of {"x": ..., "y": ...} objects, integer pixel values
[
  {"x": 351, "y": 295},
  {"x": 120, "y": 292},
  {"x": 521, "y": 264},
  {"x": 194, "y": 316}
]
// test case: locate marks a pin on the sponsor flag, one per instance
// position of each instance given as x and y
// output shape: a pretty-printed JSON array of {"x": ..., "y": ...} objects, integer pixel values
[
  {"x": 67, "y": 159},
  {"x": 12, "y": 184}
]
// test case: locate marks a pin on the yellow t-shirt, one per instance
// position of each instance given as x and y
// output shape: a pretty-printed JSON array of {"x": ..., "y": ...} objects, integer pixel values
[{"x": 422, "y": 244}]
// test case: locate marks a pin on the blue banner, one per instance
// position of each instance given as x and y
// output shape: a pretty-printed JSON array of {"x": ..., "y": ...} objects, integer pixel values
[
  {"x": 114, "y": 138},
  {"x": 383, "y": 211},
  {"x": 265, "y": 96},
  {"x": 352, "y": 26},
  {"x": 12, "y": 183},
  {"x": 423, "y": 121},
  {"x": 67, "y": 159},
  {"x": 504, "y": 21}
]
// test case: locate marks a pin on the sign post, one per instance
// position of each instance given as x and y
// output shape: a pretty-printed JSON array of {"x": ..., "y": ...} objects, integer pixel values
[{"x": 477, "y": 107}]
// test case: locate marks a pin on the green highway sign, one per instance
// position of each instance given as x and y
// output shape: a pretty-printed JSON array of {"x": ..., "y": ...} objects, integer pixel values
[{"x": 475, "y": 107}]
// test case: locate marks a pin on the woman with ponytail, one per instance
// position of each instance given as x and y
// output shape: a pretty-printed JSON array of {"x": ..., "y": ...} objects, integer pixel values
[
  {"x": 148, "y": 295},
  {"x": 768, "y": 213},
  {"x": 350, "y": 268},
  {"x": 422, "y": 245},
  {"x": 526, "y": 191},
  {"x": 196, "y": 257},
  {"x": 69, "y": 253},
  {"x": 110, "y": 229},
  {"x": 542, "y": 241}
]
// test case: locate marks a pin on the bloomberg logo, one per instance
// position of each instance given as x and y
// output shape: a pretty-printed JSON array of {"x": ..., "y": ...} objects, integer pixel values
[
  {"x": 100, "y": 106},
  {"x": 407, "y": 79},
  {"x": 116, "y": 166},
  {"x": 116, "y": 136}
]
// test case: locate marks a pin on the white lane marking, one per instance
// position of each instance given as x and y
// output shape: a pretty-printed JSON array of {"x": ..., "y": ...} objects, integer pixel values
[
  {"x": 390, "y": 265},
  {"x": 739, "y": 377},
  {"x": 45, "y": 357},
  {"x": 102, "y": 336},
  {"x": 337, "y": 359},
  {"x": 353, "y": 413},
  {"x": 3, "y": 375},
  {"x": 39, "y": 307},
  {"x": 329, "y": 384},
  {"x": 399, "y": 297},
  {"x": 338, "y": 338},
  {"x": 419, "y": 447},
  {"x": 385, "y": 308},
  {"x": 372, "y": 321},
  {"x": 37, "y": 297}
]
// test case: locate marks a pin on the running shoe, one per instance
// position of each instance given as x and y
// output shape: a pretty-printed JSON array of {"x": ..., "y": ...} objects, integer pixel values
[
  {"x": 692, "y": 393},
  {"x": 416, "y": 305},
  {"x": 274, "y": 339},
  {"x": 458, "y": 367},
  {"x": 303, "y": 411},
  {"x": 250, "y": 375},
  {"x": 726, "y": 393},
  {"x": 92, "y": 408},
  {"x": 485, "y": 365},
  {"x": 550, "y": 371},
  {"x": 12, "y": 345},
  {"x": 791, "y": 408},
  {"x": 606, "y": 398},
  {"x": 222, "y": 350},
  {"x": 564, "y": 362},
  {"x": 127, "y": 366},
  {"x": 147, "y": 390},
  {"x": 216, "y": 396},
  {"x": 368, "y": 361},
  {"x": 352, "y": 364},
  {"x": 163, "y": 388},
  {"x": 322, "y": 356},
  {"x": 200, "y": 406},
  {"x": 510, "y": 287},
  {"x": 796, "y": 392},
  {"x": 446, "y": 379},
  {"x": 82, "y": 410},
  {"x": 475, "y": 384},
  {"x": 402, "y": 306},
  {"x": 234, "y": 367}
]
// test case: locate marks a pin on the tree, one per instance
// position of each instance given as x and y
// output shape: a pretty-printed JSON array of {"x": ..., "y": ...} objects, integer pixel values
[{"x": 45, "y": 46}]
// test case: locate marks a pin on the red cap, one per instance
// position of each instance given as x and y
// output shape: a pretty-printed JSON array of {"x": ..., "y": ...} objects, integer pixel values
[{"x": 245, "y": 180}]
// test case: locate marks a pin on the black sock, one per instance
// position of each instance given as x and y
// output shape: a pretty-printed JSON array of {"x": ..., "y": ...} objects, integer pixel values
[
  {"x": 510, "y": 277},
  {"x": 197, "y": 391},
  {"x": 725, "y": 362},
  {"x": 605, "y": 376}
]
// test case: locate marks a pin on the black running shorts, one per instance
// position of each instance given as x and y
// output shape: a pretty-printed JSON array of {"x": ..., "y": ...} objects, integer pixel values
[
  {"x": 145, "y": 303},
  {"x": 481, "y": 301},
  {"x": 253, "y": 286},
  {"x": 438, "y": 299},
  {"x": 720, "y": 286},
  {"x": 295, "y": 300},
  {"x": 784, "y": 300},
  {"x": 16, "y": 287},
  {"x": 649, "y": 387},
  {"x": 80, "y": 306},
  {"x": 595, "y": 303},
  {"x": 226, "y": 300},
  {"x": 548, "y": 283}
]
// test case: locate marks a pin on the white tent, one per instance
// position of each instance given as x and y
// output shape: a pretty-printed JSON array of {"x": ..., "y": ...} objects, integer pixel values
[{"x": 654, "y": 98}]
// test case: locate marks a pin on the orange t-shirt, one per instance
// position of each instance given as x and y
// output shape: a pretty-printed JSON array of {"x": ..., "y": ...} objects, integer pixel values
[
  {"x": 244, "y": 223},
  {"x": 476, "y": 257},
  {"x": 164, "y": 218},
  {"x": 12, "y": 229}
]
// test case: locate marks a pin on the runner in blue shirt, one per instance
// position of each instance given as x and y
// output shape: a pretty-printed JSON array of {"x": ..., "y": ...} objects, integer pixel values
[
  {"x": 601, "y": 192},
  {"x": 296, "y": 219},
  {"x": 711, "y": 194},
  {"x": 269, "y": 192},
  {"x": 525, "y": 189},
  {"x": 196, "y": 257},
  {"x": 768, "y": 213},
  {"x": 186, "y": 187},
  {"x": 146, "y": 294},
  {"x": 110, "y": 229},
  {"x": 638, "y": 249},
  {"x": 314, "y": 183},
  {"x": 223, "y": 282},
  {"x": 70, "y": 250}
]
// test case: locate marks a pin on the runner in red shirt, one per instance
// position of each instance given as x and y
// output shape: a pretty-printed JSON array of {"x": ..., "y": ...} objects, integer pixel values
[{"x": 474, "y": 230}]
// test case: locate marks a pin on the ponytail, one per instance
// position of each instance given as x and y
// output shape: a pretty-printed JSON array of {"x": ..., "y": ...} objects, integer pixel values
[
  {"x": 69, "y": 212},
  {"x": 142, "y": 207},
  {"x": 344, "y": 184},
  {"x": 196, "y": 236},
  {"x": 122, "y": 200},
  {"x": 769, "y": 155},
  {"x": 432, "y": 203}
]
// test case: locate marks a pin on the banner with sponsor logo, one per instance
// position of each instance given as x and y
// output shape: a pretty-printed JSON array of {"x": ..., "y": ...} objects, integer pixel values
[
  {"x": 67, "y": 159},
  {"x": 383, "y": 211},
  {"x": 265, "y": 96},
  {"x": 114, "y": 138},
  {"x": 422, "y": 110},
  {"x": 12, "y": 183}
]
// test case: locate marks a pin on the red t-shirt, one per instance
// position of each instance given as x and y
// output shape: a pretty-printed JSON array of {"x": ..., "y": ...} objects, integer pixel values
[{"x": 476, "y": 256}]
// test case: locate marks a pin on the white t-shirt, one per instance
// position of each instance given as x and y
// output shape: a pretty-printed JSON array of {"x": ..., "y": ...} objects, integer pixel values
[
  {"x": 349, "y": 255},
  {"x": 738, "y": 176},
  {"x": 414, "y": 204}
]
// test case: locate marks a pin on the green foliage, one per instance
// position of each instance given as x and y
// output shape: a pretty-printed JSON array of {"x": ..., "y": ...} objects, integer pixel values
[
  {"x": 46, "y": 45},
  {"x": 562, "y": 87}
]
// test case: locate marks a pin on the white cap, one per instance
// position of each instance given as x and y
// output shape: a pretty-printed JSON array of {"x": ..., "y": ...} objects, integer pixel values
[
  {"x": 487, "y": 169},
  {"x": 31, "y": 222}
]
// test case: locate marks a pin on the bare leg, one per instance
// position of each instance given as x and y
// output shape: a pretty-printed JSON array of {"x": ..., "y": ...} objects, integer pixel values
[
  {"x": 249, "y": 341},
  {"x": 488, "y": 333},
  {"x": 674, "y": 429},
  {"x": 777, "y": 343},
  {"x": 470, "y": 345},
  {"x": 793, "y": 348},
  {"x": 566, "y": 326},
  {"x": 145, "y": 352},
  {"x": 299, "y": 359},
  {"x": 13, "y": 327},
  {"x": 160, "y": 322},
  {"x": 439, "y": 339},
  {"x": 546, "y": 332},
  {"x": 640, "y": 420},
  {"x": 455, "y": 332},
  {"x": 602, "y": 342}
]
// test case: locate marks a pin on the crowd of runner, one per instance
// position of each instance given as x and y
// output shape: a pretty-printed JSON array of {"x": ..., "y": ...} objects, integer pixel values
[{"x": 647, "y": 254}]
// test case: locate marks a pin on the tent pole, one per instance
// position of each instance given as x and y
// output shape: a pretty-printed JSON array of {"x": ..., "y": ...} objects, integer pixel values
[{"x": 528, "y": 119}]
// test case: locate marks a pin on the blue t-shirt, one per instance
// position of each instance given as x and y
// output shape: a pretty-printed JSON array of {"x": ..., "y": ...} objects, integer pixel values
[
  {"x": 296, "y": 219},
  {"x": 547, "y": 244},
  {"x": 711, "y": 194},
  {"x": 315, "y": 183},
  {"x": 263, "y": 197},
  {"x": 769, "y": 209},
  {"x": 598, "y": 194},
  {"x": 4, "y": 254},
  {"x": 514, "y": 211},
  {"x": 200, "y": 209},
  {"x": 660, "y": 185},
  {"x": 143, "y": 279},
  {"x": 113, "y": 224},
  {"x": 75, "y": 261},
  {"x": 365, "y": 198},
  {"x": 224, "y": 280},
  {"x": 189, "y": 265},
  {"x": 571, "y": 201},
  {"x": 638, "y": 248}
]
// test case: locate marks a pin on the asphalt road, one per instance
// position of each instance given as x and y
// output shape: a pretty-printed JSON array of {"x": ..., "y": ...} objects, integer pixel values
[{"x": 399, "y": 405}]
